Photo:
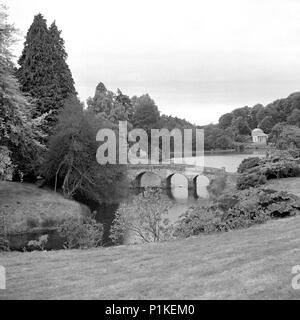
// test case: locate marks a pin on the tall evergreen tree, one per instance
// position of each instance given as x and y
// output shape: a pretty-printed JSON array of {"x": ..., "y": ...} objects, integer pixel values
[
  {"x": 44, "y": 73},
  {"x": 62, "y": 72}
]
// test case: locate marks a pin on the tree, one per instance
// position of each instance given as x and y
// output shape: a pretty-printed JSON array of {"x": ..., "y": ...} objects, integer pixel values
[
  {"x": 70, "y": 163},
  {"x": 240, "y": 126},
  {"x": 102, "y": 103},
  {"x": 144, "y": 218},
  {"x": 224, "y": 142},
  {"x": 146, "y": 114},
  {"x": 253, "y": 122},
  {"x": 124, "y": 107},
  {"x": 110, "y": 106},
  {"x": 225, "y": 121},
  {"x": 20, "y": 135},
  {"x": 294, "y": 118},
  {"x": 44, "y": 73},
  {"x": 267, "y": 124},
  {"x": 61, "y": 71},
  {"x": 285, "y": 136}
]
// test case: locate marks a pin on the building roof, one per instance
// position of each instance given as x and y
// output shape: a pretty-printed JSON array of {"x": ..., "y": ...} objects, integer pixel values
[{"x": 258, "y": 132}]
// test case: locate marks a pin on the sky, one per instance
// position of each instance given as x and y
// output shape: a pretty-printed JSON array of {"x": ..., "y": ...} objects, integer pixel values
[{"x": 197, "y": 59}]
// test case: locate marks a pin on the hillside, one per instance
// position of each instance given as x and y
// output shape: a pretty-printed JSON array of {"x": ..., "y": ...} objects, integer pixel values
[
  {"x": 248, "y": 264},
  {"x": 26, "y": 206}
]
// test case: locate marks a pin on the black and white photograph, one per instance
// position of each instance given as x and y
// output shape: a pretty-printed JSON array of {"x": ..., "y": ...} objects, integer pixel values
[{"x": 149, "y": 151}]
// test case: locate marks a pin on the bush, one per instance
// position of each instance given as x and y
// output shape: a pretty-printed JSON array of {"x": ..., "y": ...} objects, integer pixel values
[
  {"x": 281, "y": 169},
  {"x": 4, "y": 243},
  {"x": 217, "y": 186},
  {"x": 255, "y": 171},
  {"x": 248, "y": 164},
  {"x": 199, "y": 220},
  {"x": 81, "y": 234},
  {"x": 295, "y": 153},
  {"x": 253, "y": 180},
  {"x": 242, "y": 210},
  {"x": 144, "y": 218},
  {"x": 6, "y": 166},
  {"x": 40, "y": 244}
]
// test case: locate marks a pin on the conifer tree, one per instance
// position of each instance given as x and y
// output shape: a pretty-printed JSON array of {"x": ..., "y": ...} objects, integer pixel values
[{"x": 44, "y": 73}]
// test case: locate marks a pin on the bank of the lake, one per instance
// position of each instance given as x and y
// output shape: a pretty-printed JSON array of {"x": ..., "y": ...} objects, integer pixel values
[{"x": 254, "y": 263}]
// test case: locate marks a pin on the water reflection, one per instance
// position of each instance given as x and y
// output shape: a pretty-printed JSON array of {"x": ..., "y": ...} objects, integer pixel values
[
  {"x": 179, "y": 187},
  {"x": 202, "y": 183},
  {"x": 149, "y": 179}
]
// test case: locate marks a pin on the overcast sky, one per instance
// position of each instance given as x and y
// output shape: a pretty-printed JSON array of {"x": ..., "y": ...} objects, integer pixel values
[{"x": 197, "y": 59}]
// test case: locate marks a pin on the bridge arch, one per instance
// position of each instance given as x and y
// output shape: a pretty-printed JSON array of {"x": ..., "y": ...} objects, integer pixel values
[
  {"x": 148, "y": 179},
  {"x": 201, "y": 183},
  {"x": 178, "y": 186},
  {"x": 177, "y": 178}
]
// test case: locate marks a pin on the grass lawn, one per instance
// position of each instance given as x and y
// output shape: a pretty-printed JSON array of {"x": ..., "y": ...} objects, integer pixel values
[
  {"x": 291, "y": 185},
  {"x": 26, "y": 206},
  {"x": 248, "y": 264}
]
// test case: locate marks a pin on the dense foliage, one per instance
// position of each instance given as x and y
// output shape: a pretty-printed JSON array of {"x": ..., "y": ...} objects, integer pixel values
[
  {"x": 251, "y": 180},
  {"x": 248, "y": 163},
  {"x": 143, "y": 218},
  {"x": 255, "y": 171},
  {"x": 44, "y": 73},
  {"x": 241, "y": 210},
  {"x": 108, "y": 105},
  {"x": 280, "y": 119},
  {"x": 285, "y": 136},
  {"x": 71, "y": 163},
  {"x": 20, "y": 135},
  {"x": 81, "y": 234}
]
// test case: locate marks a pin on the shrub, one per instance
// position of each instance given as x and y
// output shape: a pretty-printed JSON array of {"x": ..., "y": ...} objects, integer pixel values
[
  {"x": 242, "y": 210},
  {"x": 39, "y": 244},
  {"x": 199, "y": 220},
  {"x": 4, "y": 243},
  {"x": 248, "y": 164},
  {"x": 252, "y": 180},
  {"x": 217, "y": 186},
  {"x": 295, "y": 153},
  {"x": 81, "y": 234},
  {"x": 6, "y": 166},
  {"x": 281, "y": 169},
  {"x": 143, "y": 217},
  {"x": 255, "y": 171}
]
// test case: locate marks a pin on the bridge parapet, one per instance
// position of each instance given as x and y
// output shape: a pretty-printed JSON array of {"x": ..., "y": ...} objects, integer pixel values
[{"x": 165, "y": 171}]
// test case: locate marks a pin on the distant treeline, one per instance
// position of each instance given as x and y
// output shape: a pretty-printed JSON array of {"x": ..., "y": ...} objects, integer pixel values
[{"x": 46, "y": 131}]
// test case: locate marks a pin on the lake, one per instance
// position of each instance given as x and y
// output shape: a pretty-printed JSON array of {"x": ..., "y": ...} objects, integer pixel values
[
  {"x": 230, "y": 161},
  {"x": 179, "y": 195}
]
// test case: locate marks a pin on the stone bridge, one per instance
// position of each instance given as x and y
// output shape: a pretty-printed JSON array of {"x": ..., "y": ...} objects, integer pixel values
[{"x": 160, "y": 175}]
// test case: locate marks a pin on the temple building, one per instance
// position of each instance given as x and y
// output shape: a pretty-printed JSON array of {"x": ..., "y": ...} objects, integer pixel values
[{"x": 259, "y": 137}]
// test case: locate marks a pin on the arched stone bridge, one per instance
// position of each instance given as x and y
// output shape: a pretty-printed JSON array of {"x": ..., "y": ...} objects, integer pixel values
[{"x": 164, "y": 173}]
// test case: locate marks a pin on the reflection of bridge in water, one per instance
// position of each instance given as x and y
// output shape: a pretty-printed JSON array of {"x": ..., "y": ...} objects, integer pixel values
[{"x": 165, "y": 176}]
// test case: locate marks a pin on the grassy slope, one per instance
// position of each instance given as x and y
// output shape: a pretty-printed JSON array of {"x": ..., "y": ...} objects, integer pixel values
[
  {"x": 20, "y": 201},
  {"x": 291, "y": 185},
  {"x": 252, "y": 264}
]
